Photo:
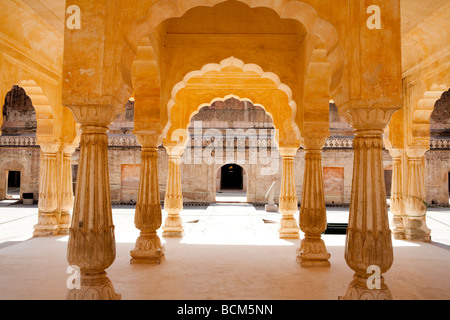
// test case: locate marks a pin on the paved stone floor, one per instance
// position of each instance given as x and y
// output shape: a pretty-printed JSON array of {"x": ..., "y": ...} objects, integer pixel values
[{"x": 230, "y": 251}]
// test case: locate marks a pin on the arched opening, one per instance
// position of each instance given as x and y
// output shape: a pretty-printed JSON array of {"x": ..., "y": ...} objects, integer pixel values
[
  {"x": 439, "y": 135},
  {"x": 231, "y": 178},
  {"x": 229, "y": 131},
  {"x": 231, "y": 184},
  {"x": 19, "y": 116},
  {"x": 13, "y": 185}
]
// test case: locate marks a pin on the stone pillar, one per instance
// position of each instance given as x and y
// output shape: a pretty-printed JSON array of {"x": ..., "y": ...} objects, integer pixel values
[
  {"x": 368, "y": 243},
  {"x": 397, "y": 206},
  {"x": 91, "y": 245},
  {"x": 313, "y": 215},
  {"x": 173, "y": 201},
  {"x": 48, "y": 198},
  {"x": 288, "y": 197},
  {"x": 67, "y": 197},
  {"x": 414, "y": 221},
  {"x": 148, "y": 217}
]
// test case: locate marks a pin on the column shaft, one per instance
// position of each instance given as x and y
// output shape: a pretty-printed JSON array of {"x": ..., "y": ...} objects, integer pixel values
[
  {"x": 288, "y": 198},
  {"x": 397, "y": 206},
  {"x": 48, "y": 198},
  {"x": 91, "y": 245},
  {"x": 148, "y": 217},
  {"x": 173, "y": 200},
  {"x": 368, "y": 240},
  {"x": 313, "y": 216},
  {"x": 67, "y": 196},
  {"x": 414, "y": 221}
]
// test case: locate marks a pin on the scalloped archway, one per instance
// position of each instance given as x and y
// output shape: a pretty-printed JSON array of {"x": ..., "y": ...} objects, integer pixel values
[
  {"x": 233, "y": 78},
  {"x": 300, "y": 11}
]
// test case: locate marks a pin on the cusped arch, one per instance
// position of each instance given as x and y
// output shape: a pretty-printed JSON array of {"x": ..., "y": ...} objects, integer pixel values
[
  {"x": 300, "y": 11},
  {"x": 44, "y": 111},
  {"x": 42, "y": 107},
  {"x": 421, "y": 117},
  {"x": 233, "y": 78}
]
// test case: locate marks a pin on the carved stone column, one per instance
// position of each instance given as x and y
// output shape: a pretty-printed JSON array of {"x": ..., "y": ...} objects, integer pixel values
[
  {"x": 173, "y": 200},
  {"x": 67, "y": 197},
  {"x": 91, "y": 245},
  {"x": 313, "y": 215},
  {"x": 48, "y": 199},
  {"x": 415, "y": 226},
  {"x": 148, "y": 217},
  {"x": 288, "y": 197},
  {"x": 397, "y": 206},
  {"x": 368, "y": 242}
]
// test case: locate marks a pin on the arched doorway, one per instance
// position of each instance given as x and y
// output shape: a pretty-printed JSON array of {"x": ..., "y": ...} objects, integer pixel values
[
  {"x": 231, "y": 178},
  {"x": 231, "y": 184},
  {"x": 13, "y": 185}
]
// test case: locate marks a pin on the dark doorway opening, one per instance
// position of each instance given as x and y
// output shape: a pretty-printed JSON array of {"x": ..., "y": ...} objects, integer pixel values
[
  {"x": 13, "y": 191},
  {"x": 231, "y": 177}
]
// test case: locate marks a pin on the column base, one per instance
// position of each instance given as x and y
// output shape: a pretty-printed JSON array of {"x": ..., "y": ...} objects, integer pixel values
[
  {"x": 416, "y": 229},
  {"x": 358, "y": 290},
  {"x": 313, "y": 253},
  {"x": 47, "y": 225},
  {"x": 173, "y": 234},
  {"x": 148, "y": 250},
  {"x": 94, "y": 287},
  {"x": 65, "y": 220},
  {"x": 399, "y": 235},
  {"x": 173, "y": 227},
  {"x": 398, "y": 231},
  {"x": 289, "y": 228}
]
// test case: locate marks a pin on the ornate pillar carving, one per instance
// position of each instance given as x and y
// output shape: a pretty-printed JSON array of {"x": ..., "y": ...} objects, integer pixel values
[
  {"x": 368, "y": 242},
  {"x": 313, "y": 215},
  {"x": 173, "y": 200},
  {"x": 48, "y": 198},
  {"x": 91, "y": 245},
  {"x": 288, "y": 197},
  {"x": 397, "y": 205},
  {"x": 148, "y": 217},
  {"x": 414, "y": 221}
]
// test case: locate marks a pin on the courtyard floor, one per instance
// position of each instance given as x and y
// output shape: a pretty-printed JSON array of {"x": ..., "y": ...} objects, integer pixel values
[{"x": 230, "y": 251}]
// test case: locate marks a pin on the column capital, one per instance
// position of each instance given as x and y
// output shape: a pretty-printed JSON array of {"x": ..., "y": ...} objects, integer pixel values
[
  {"x": 288, "y": 152},
  {"x": 314, "y": 140},
  {"x": 366, "y": 120},
  {"x": 94, "y": 115},
  {"x": 68, "y": 149},
  {"x": 415, "y": 153},
  {"x": 50, "y": 147},
  {"x": 174, "y": 150},
  {"x": 148, "y": 139},
  {"x": 396, "y": 153}
]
